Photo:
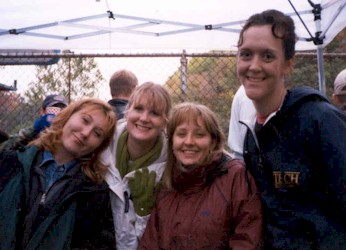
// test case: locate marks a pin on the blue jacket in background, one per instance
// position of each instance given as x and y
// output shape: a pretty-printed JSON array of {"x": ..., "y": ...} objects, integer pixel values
[{"x": 119, "y": 106}]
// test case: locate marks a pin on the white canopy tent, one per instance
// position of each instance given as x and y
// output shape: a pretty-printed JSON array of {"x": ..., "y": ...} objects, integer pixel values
[{"x": 158, "y": 25}]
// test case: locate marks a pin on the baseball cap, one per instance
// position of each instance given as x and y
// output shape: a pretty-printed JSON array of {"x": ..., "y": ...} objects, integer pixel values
[
  {"x": 340, "y": 83},
  {"x": 52, "y": 100}
]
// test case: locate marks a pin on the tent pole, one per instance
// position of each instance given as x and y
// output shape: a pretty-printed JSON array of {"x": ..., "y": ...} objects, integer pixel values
[
  {"x": 320, "y": 64},
  {"x": 318, "y": 41}
]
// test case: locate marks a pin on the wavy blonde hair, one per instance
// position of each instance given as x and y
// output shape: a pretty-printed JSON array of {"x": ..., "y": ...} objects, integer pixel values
[
  {"x": 50, "y": 139},
  {"x": 185, "y": 112}
]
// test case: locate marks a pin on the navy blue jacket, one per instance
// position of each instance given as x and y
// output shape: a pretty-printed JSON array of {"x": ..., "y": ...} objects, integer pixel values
[
  {"x": 119, "y": 106},
  {"x": 298, "y": 160},
  {"x": 75, "y": 214}
]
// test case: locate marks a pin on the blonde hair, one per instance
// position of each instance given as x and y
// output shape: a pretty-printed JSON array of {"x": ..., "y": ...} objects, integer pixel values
[
  {"x": 50, "y": 139},
  {"x": 156, "y": 96},
  {"x": 185, "y": 112}
]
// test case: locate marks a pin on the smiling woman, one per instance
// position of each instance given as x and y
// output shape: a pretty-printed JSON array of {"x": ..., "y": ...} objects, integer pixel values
[
  {"x": 291, "y": 139},
  {"x": 207, "y": 200},
  {"x": 137, "y": 156},
  {"x": 56, "y": 182}
]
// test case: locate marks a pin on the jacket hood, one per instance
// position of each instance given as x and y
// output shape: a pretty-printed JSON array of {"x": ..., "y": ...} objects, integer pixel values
[{"x": 298, "y": 95}]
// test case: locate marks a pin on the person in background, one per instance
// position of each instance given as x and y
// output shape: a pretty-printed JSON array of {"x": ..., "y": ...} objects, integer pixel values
[
  {"x": 339, "y": 95},
  {"x": 51, "y": 106},
  {"x": 242, "y": 110},
  {"x": 293, "y": 146},
  {"x": 137, "y": 157},
  {"x": 52, "y": 193},
  {"x": 121, "y": 84},
  {"x": 207, "y": 200}
]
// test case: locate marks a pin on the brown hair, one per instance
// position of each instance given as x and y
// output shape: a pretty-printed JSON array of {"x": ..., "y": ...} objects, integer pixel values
[
  {"x": 122, "y": 83},
  {"x": 50, "y": 139},
  {"x": 282, "y": 28},
  {"x": 189, "y": 111}
]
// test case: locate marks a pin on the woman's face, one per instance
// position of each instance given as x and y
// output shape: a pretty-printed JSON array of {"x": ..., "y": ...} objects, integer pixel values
[
  {"x": 192, "y": 143},
  {"x": 83, "y": 132},
  {"x": 144, "y": 122},
  {"x": 261, "y": 63}
]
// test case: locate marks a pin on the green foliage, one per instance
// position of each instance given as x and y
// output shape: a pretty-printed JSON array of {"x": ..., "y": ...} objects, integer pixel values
[
  {"x": 210, "y": 81},
  {"x": 14, "y": 110},
  {"x": 305, "y": 72},
  {"x": 72, "y": 77},
  {"x": 338, "y": 45},
  {"x": 201, "y": 64}
]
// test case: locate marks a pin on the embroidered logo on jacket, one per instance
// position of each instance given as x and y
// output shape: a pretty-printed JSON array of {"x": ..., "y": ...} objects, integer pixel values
[{"x": 285, "y": 179}]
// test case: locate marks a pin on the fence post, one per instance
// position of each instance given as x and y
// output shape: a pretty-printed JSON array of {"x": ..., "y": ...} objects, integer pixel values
[
  {"x": 69, "y": 80},
  {"x": 183, "y": 75}
]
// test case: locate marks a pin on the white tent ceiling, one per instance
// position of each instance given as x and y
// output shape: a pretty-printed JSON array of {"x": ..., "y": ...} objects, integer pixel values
[{"x": 152, "y": 24}]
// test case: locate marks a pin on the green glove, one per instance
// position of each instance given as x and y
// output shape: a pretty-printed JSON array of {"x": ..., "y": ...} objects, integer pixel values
[{"x": 142, "y": 187}]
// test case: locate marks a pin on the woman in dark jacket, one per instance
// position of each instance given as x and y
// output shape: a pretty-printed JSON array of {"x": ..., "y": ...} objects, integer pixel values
[
  {"x": 207, "y": 200},
  {"x": 295, "y": 145},
  {"x": 52, "y": 195}
]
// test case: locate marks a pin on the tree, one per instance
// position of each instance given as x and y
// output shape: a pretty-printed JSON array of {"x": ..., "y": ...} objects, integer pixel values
[
  {"x": 210, "y": 81},
  {"x": 72, "y": 77},
  {"x": 13, "y": 112},
  {"x": 305, "y": 70}
]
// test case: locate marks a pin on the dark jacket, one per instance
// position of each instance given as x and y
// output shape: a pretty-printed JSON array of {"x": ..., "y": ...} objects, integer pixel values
[
  {"x": 298, "y": 160},
  {"x": 21, "y": 139},
  {"x": 74, "y": 214},
  {"x": 212, "y": 207},
  {"x": 119, "y": 106},
  {"x": 3, "y": 136}
]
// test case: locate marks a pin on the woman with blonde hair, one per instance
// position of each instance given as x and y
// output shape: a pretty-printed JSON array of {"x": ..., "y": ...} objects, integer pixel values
[
  {"x": 207, "y": 200},
  {"x": 52, "y": 193},
  {"x": 137, "y": 156}
]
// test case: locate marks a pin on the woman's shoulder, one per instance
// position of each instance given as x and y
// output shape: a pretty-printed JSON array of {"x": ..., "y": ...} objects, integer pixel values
[
  {"x": 228, "y": 162},
  {"x": 234, "y": 167},
  {"x": 234, "y": 171}
]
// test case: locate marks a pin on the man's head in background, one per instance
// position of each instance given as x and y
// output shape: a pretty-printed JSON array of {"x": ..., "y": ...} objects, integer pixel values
[
  {"x": 122, "y": 84},
  {"x": 53, "y": 104},
  {"x": 339, "y": 95}
]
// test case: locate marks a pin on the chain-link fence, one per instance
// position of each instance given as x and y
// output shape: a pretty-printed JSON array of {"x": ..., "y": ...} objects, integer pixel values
[{"x": 208, "y": 78}]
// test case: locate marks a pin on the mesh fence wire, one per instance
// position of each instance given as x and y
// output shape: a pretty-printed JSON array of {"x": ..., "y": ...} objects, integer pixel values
[{"x": 207, "y": 78}]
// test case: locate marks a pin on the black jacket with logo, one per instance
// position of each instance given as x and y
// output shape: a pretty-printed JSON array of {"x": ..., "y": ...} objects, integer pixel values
[{"x": 298, "y": 160}]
